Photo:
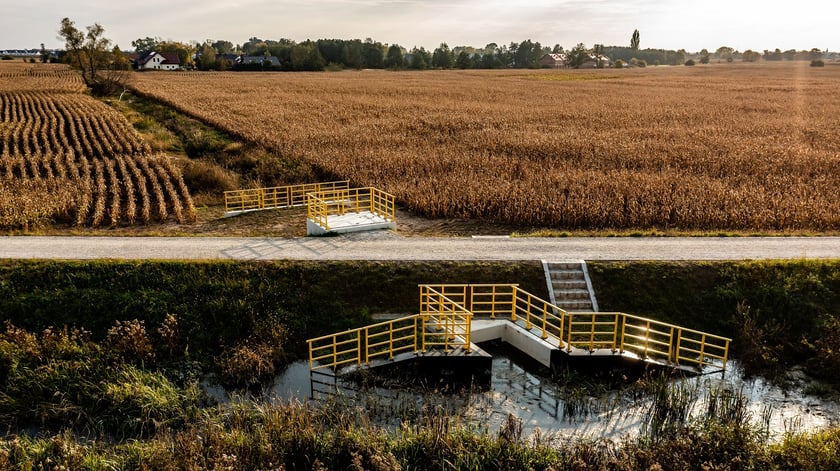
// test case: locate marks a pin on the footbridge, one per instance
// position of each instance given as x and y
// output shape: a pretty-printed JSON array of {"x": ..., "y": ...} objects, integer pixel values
[{"x": 453, "y": 318}]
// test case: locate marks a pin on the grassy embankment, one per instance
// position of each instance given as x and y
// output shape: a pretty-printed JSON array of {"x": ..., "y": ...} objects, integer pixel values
[{"x": 132, "y": 384}]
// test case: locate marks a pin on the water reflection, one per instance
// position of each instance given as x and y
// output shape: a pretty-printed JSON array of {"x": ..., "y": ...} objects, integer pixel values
[{"x": 528, "y": 392}]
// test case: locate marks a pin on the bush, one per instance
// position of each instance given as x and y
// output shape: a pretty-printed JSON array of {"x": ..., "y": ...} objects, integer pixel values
[
  {"x": 689, "y": 62},
  {"x": 817, "y": 63},
  {"x": 619, "y": 64}
]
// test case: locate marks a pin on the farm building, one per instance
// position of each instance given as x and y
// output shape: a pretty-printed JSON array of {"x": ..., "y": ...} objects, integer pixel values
[
  {"x": 554, "y": 61},
  {"x": 595, "y": 61},
  {"x": 158, "y": 61}
]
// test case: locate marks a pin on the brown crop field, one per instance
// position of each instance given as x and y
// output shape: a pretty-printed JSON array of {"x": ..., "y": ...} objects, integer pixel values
[
  {"x": 742, "y": 147},
  {"x": 67, "y": 156}
]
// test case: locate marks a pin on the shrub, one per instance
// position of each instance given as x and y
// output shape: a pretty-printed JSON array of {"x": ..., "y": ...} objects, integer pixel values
[
  {"x": 128, "y": 340},
  {"x": 689, "y": 62},
  {"x": 817, "y": 63}
]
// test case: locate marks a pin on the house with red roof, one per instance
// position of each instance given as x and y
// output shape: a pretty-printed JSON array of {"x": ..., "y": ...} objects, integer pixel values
[{"x": 158, "y": 61}]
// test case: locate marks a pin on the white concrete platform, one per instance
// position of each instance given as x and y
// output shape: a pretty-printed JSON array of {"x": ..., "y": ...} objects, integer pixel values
[{"x": 350, "y": 222}]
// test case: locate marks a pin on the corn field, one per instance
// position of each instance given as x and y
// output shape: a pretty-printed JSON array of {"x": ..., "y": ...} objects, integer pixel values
[
  {"x": 65, "y": 156},
  {"x": 723, "y": 147}
]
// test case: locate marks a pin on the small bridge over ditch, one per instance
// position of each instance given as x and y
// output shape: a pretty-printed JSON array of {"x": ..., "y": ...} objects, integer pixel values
[
  {"x": 452, "y": 319},
  {"x": 331, "y": 207}
]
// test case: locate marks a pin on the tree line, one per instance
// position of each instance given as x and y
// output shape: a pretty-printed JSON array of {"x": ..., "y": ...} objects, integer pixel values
[{"x": 102, "y": 65}]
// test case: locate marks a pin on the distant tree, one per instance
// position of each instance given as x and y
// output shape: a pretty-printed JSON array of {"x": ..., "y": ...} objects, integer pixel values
[
  {"x": 814, "y": 54},
  {"x": 689, "y": 62},
  {"x": 750, "y": 56},
  {"x": 527, "y": 54},
  {"x": 704, "y": 56},
  {"x": 373, "y": 54},
  {"x": 772, "y": 56},
  {"x": 103, "y": 71},
  {"x": 420, "y": 59},
  {"x": 223, "y": 47},
  {"x": 817, "y": 63},
  {"x": 725, "y": 53},
  {"x": 557, "y": 49},
  {"x": 185, "y": 52},
  {"x": 394, "y": 57},
  {"x": 206, "y": 57},
  {"x": 634, "y": 40},
  {"x": 464, "y": 61},
  {"x": 442, "y": 57},
  {"x": 306, "y": 56},
  {"x": 351, "y": 54},
  {"x": 144, "y": 45},
  {"x": 44, "y": 55},
  {"x": 598, "y": 50},
  {"x": 789, "y": 55},
  {"x": 578, "y": 55}
]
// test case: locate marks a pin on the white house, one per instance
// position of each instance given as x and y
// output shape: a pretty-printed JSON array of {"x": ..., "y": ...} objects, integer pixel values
[{"x": 158, "y": 61}]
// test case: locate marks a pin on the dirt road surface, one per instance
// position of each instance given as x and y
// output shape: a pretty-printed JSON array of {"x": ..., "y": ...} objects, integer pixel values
[{"x": 387, "y": 246}]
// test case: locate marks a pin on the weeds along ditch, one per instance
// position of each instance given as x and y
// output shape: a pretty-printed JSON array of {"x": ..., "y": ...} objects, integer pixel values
[
  {"x": 103, "y": 362},
  {"x": 566, "y": 403}
]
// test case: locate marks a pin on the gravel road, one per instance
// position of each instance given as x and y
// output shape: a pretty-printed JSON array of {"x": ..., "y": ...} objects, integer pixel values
[{"x": 386, "y": 246}]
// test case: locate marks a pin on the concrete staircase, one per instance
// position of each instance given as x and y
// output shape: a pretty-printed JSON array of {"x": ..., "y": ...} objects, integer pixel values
[{"x": 569, "y": 286}]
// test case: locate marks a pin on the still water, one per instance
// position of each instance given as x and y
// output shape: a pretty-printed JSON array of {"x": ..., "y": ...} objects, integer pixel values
[{"x": 581, "y": 408}]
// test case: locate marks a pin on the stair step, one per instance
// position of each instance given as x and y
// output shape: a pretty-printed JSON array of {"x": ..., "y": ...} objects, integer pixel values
[
  {"x": 572, "y": 294},
  {"x": 567, "y": 275},
  {"x": 575, "y": 305},
  {"x": 568, "y": 284},
  {"x": 564, "y": 265}
]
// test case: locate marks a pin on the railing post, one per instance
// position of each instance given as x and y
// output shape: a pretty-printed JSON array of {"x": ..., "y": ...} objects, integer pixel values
[
  {"x": 616, "y": 320},
  {"x": 514, "y": 300},
  {"x": 623, "y": 331},
  {"x": 725, "y": 353},
  {"x": 592, "y": 333},
  {"x": 571, "y": 327},
  {"x": 362, "y": 352},
  {"x": 674, "y": 346},
  {"x": 528, "y": 312},
  {"x": 647, "y": 337},
  {"x": 468, "y": 332},
  {"x": 544, "y": 321},
  {"x": 391, "y": 341},
  {"x": 702, "y": 350},
  {"x": 418, "y": 318}
]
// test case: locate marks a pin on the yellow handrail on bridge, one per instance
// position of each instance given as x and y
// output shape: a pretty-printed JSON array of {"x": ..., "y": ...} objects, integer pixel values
[
  {"x": 446, "y": 312},
  {"x": 441, "y": 325},
  {"x": 252, "y": 199},
  {"x": 615, "y": 331}
]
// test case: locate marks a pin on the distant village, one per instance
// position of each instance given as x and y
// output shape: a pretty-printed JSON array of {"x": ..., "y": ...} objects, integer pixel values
[{"x": 460, "y": 57}]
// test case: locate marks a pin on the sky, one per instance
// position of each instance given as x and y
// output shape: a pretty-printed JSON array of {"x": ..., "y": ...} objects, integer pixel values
[{"x": 663, "y": 24}]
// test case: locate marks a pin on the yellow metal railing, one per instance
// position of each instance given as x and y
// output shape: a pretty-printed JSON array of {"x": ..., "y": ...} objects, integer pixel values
[
  {"x": 276, "y": 197},
  {"x": 337, "y": 202},
  {"x": 446, "y": 312},
  {"x": 590, "y": 331},
  {"x": 446, "y": 315},
  {"x": 441, "y": 324}
]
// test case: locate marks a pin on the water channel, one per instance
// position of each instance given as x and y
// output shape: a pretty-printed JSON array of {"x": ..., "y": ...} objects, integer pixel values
[{"x": 582, "y": 407}]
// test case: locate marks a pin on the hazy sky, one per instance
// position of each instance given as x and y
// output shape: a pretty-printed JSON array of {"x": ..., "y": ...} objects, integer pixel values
[{"x": 666, "y": 24}]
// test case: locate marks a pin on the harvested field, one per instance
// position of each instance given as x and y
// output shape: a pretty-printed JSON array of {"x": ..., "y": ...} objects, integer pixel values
[
  {"x": 66, "y": 156},
  {"x": 724, "y": 147}
]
